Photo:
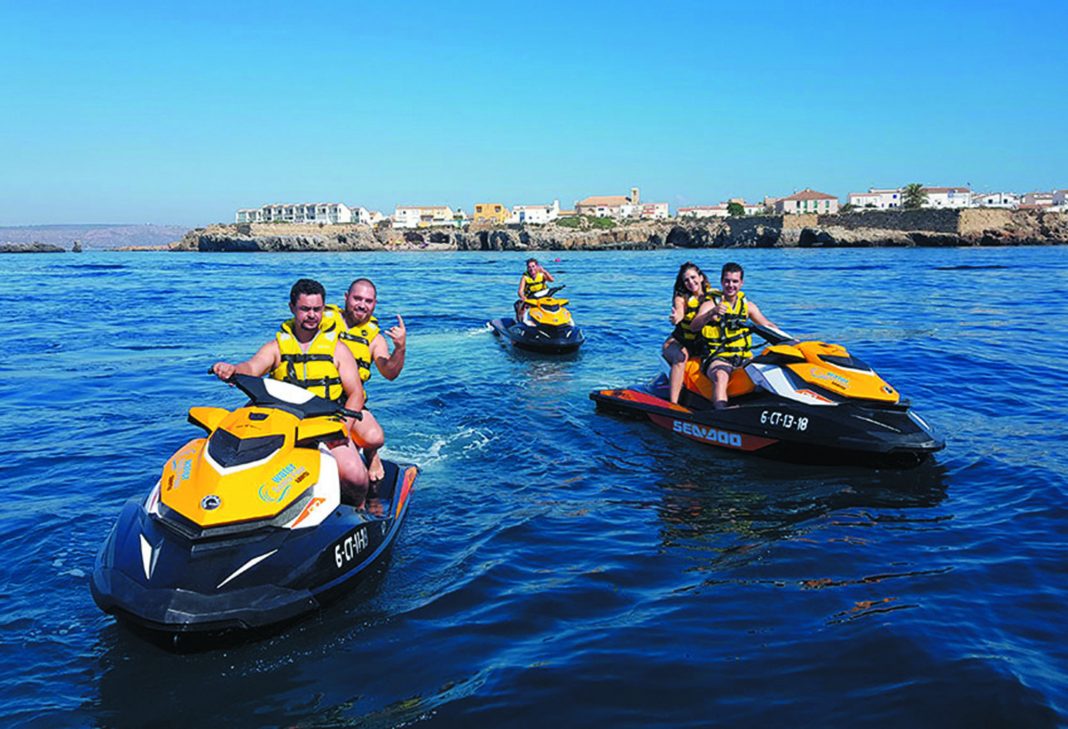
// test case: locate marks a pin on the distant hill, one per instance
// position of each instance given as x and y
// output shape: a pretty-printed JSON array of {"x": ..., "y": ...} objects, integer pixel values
[{"x": 97, "y": 236}]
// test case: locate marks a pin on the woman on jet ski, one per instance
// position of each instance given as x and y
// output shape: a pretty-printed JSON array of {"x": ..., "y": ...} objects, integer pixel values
[
  {"x": 691, "y": 291},
  {"x": 723, "y": 327}
]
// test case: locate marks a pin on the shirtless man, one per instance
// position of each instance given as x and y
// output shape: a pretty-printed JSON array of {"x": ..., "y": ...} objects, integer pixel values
[
  {"x": 361, "y": 334},
  {"x": 336, "y": 378},
  {"x": 722, "y": 324}
]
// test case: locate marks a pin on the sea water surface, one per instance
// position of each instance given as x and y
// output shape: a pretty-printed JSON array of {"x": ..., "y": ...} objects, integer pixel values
[{"x": 560, "y": 566}]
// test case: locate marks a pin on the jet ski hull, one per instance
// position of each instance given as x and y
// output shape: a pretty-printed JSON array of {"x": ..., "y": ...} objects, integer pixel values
[
  {"x": 772, "y": 426},
  {"x": 547, "y": 339},
  {"x": 162, "y": 575}
]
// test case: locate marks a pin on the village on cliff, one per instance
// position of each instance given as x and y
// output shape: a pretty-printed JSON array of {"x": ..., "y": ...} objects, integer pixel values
[{"x": 611, "y": 208}]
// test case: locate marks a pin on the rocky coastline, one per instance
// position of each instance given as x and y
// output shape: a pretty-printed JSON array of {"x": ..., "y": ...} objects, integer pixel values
[
  {"x": 913, "y": 228},
  {"x": 30, "y": 248}
]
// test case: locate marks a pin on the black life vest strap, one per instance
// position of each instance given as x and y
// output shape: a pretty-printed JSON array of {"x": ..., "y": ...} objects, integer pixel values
[
  {"x": 303, "y": 358},
  {"x": 353, "y": 338}
]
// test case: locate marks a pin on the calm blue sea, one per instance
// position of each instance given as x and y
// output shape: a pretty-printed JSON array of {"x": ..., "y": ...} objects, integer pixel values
[{"x": 562, "y": 567}]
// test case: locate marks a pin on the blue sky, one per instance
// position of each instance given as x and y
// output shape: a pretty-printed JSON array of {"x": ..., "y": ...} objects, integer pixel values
[{"x": 125, "y": 112}]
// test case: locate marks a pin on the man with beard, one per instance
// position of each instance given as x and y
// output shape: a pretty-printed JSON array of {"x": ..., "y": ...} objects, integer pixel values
[{"x": 312, "y": 356}]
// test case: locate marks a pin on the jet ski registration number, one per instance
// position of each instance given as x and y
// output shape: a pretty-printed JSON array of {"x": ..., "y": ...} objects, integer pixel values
[
  {"x": 350, "y": 547},
  {"x": 783, "y": 420}
]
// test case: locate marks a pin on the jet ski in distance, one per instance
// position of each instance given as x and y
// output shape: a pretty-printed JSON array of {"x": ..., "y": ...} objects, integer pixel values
[
  {"x": 246, "y": 527},
  {"x": 547, "y": 326},
  {"x": 797, "y": 400}
]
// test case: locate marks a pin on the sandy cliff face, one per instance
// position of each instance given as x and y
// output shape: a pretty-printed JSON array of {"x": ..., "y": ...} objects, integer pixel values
[{"x": 909, "y": 228}]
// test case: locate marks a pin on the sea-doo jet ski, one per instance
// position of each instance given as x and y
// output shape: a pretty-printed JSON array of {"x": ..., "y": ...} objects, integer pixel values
[
  {"x": 546, "y": 325},
  {"x": 246, "y": 527},
  {"x": 802, "y": 401}
]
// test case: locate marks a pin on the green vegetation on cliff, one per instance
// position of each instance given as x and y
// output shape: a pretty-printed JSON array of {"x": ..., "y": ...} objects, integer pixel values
[{"x": 586, "y": 221}]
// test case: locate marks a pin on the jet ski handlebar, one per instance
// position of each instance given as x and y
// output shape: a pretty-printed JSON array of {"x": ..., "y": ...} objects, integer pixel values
[
  {"x": 771, "y": 335},
  {"x": 274, "y": 393}
]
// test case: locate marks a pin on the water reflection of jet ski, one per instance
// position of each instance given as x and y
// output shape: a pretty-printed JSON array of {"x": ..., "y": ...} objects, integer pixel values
[
  {"x": 246, "y": 527},
  {"x": 807, "y": 401},
  {"x": 546, "y": 326}
]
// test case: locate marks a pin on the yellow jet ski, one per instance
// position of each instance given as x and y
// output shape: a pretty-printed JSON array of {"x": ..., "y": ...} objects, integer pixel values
[
  {"x": 246, "y": 526},
  {"x": 546, "y": 325}
]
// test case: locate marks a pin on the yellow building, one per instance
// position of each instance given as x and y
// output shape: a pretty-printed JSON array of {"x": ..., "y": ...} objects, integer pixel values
[{"x": 491, "y": 213}]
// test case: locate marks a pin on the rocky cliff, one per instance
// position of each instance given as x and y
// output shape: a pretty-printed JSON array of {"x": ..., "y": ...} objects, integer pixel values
[
  {"x": 864, "y": 229},
  {"x": 30, "y": 248}
]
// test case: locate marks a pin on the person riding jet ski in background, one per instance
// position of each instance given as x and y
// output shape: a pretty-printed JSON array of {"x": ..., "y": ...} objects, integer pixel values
[
  {"x": 722, "y": 325},
  {"x": 535, "y": 280},
  {"x": 359, "y": 331},
  {"x": 313, "y": 357},
  {"x": 691, "y": 290}
]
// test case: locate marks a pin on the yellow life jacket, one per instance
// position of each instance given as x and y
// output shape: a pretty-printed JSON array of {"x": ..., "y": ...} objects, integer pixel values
[
  {"x": 313, "y": 369},
  {"x": 683, "y": 334},
  {"x": 730, "y": 337},
  {"x": 358, "y": 339},
  {"x": 532, "y": 286}
]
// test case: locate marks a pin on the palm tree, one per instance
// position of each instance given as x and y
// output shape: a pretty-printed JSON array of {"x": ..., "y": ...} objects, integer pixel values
[{"x": 913, "y": 196}]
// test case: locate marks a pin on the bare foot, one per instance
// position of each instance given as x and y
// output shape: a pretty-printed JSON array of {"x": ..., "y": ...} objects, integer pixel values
[{"x": 375, "y": 470}]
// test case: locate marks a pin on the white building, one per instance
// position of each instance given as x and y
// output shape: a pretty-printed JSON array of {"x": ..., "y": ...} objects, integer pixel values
[
  {"x": 879, "y": 198},
  {"x": 534, "y": 214},
  {"x": 303, "y": 213},
  {"x": 652, "y": 211},
  {"x": 605, "y": 206},
  {"x": 948, "y": 197},
  {"x": 995, "y": 200},
  {"x": 423, "y": 216},
  {"x": 722, "y": 210},
  {"x": 807, "y": 201},
  {"x": 1060, "y": 197},
  {"x": 704, "y": 211},
  {"x": 620, "y": 207},
  {"x": 1038, "y": 199}
]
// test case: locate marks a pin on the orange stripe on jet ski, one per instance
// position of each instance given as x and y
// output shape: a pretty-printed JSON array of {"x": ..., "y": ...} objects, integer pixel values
[
  {"x": 644, "y": 398},
  {"x": 406, "y": 487}
]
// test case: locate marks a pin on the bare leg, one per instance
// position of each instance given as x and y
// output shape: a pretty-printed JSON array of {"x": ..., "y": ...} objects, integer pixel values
[
  {"x": 351, "y": 472},
  {"x": 368, "y": 435},
  {"x": 719, "y": 372},
  {"x": 675, "y": 355}
]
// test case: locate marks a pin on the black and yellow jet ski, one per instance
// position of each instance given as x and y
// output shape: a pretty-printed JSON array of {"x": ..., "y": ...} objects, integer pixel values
[
  {"x": 546, "y": 326},
  {"x": 800, "y": 401},
  {"x": 246, "y": 527}
]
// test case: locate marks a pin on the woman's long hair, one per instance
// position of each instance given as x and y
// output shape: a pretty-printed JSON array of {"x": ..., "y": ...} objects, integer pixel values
[{"x": 680, "y": 284}]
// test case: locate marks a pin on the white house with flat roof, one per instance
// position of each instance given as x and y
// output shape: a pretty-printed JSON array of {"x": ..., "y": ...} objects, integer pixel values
[
  {"x": 652, "y": 211},
  {"x": 948, "y": 197},
  {"x": 995, "y": 199},
  {"x": 875, "y": 197},
  {"x": 704, "y": 211},
  {"x": 1037, "y": 199},
  {"x": 534, "y": 214},
  {"x": 422, "y": 216},
  {"x": 328, "y": 213}
]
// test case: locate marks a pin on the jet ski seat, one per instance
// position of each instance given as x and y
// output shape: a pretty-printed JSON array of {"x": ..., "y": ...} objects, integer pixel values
[{"x": 697, "y": 381}]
